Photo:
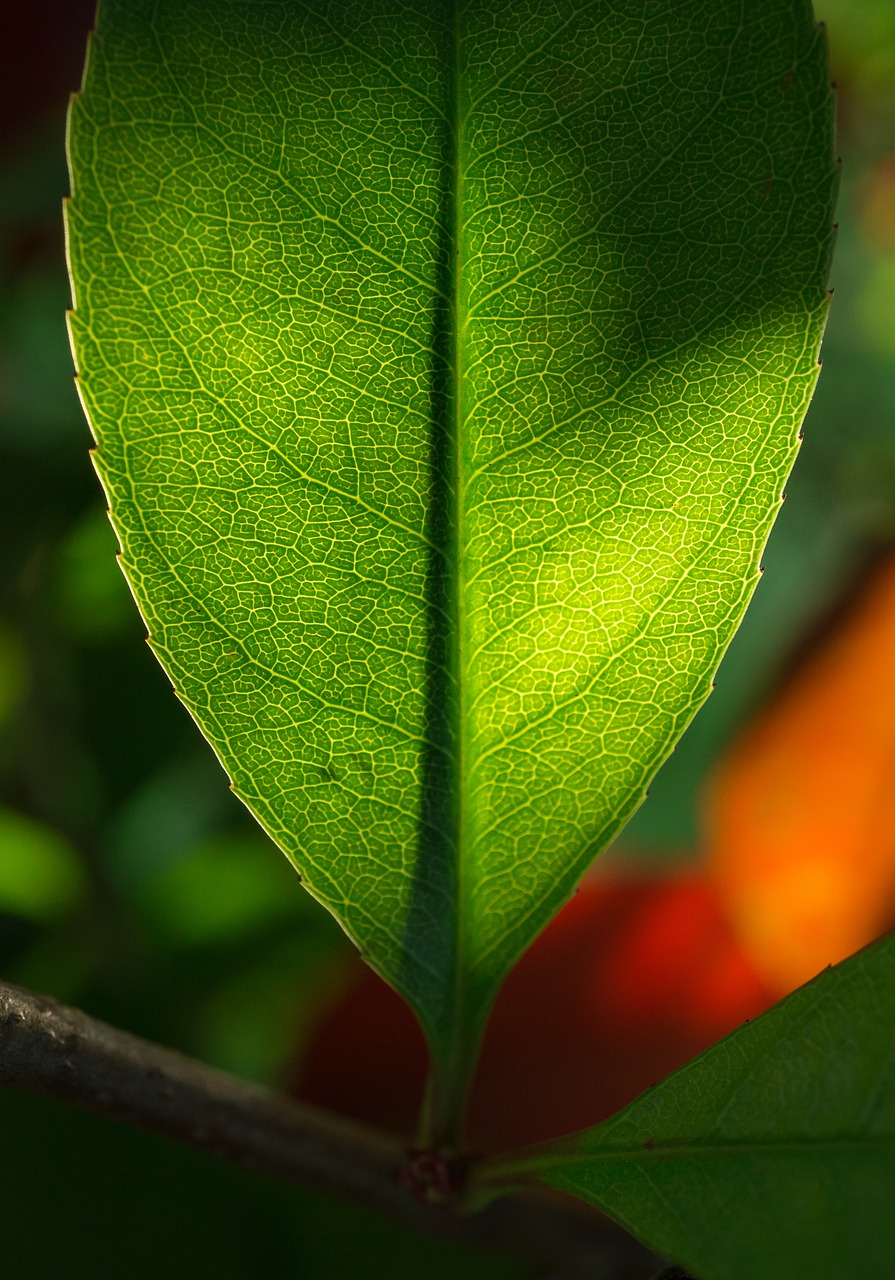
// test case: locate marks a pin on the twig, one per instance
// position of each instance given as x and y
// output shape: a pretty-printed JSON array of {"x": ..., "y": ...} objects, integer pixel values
[{"x": 49, "y": 1049}]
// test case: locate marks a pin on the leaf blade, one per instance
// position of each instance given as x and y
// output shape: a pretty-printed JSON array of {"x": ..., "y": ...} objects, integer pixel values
[{"x": 393, "y": 336}]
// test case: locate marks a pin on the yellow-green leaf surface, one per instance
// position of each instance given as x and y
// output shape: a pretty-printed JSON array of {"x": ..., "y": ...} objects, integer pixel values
[
  {"x": 772, "y": 1156},
  {"x": 446, "y": 362}
]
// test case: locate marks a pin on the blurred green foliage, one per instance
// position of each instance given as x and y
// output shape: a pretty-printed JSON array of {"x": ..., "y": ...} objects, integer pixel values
[
  {"x": 134, "y": 884},
  {"x": 41, "y": 876}
]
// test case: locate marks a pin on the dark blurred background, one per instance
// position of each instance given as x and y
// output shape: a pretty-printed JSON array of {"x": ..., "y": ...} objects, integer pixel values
[{"x": 131, "y": 881}]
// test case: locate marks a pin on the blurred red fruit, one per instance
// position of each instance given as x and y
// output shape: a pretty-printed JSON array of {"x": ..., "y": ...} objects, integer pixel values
[{"x": 630, "y": 980}]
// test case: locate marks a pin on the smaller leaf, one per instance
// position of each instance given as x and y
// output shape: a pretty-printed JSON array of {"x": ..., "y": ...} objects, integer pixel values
[{"x": 771, "y": 1156}]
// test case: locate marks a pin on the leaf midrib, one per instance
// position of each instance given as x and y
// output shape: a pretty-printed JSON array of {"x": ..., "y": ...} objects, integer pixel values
[
  {"x": 683, "y": 1150},
  {"x": 511, "y": 1173},
  {"x": 458, "y": 647}
]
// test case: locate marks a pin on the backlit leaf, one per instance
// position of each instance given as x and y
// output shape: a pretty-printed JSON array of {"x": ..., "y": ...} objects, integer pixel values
[{"x": 446, "y": 362}]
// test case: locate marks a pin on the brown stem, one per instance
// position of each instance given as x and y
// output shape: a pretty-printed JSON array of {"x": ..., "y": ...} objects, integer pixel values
[{"x": 49, "y": 1049}]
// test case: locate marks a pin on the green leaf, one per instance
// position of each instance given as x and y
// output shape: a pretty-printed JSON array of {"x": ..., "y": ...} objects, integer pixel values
[
  {"x": 771, "y": 1156},
  {"x": 446, "y": 362}
]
